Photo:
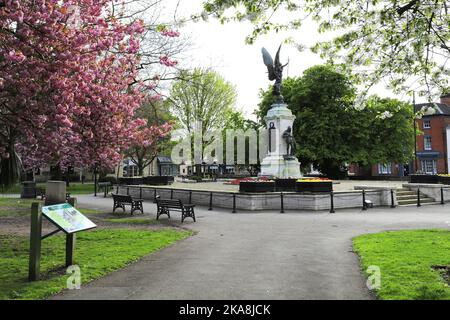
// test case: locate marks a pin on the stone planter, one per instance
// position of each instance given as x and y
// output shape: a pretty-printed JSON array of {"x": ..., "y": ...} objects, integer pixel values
[
  {"x": 158, "y": 180},
  {"x": 444, "y": 180},
  {"x": 325, "y": 186},
  {"x": 257, "y": 187},
  {"x": 134, "y": 181},
  {"x": 424, "y": 178},
  {"x": 285, "y": 184}
]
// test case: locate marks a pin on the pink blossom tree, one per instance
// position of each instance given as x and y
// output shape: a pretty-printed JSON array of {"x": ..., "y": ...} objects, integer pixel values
[
  {"x": 146, "y": 143},
  {"x": 69, "y": 83}
]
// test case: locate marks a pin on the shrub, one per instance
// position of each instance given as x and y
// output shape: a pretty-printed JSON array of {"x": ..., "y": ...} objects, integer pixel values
[
  {"x": 196, "y": 178},
  {"x": 110, "y": 179}
]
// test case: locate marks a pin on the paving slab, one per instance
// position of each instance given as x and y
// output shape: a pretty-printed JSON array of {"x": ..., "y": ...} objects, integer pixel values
[{"x": 264, "y": 255}]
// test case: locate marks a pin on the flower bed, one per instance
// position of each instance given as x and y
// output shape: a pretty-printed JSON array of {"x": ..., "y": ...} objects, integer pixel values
[
  {"x": 314, "y": 185},
  {"x": 236, "y": 182}
]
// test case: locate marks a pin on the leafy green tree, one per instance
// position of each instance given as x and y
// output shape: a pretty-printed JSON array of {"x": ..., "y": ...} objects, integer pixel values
[
  {"x": 331, "y": 134},
  {"x": 398, "y": 41},
  {"x": 202, "y": 101},
  {"x": 201, "y": 97},
  {"x": 391, "y": 131}
]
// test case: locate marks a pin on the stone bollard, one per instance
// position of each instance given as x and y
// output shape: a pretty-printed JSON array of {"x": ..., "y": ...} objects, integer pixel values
[{"x": 55, "y": 193}]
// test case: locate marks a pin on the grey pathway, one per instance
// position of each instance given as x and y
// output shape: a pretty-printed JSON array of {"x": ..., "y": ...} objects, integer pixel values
[{"x": 264, "y": 255}]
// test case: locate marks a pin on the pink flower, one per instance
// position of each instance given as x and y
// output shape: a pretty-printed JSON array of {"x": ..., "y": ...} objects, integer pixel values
[
  {"x": 15, "y": 56},
  {"x": 164, "y": 60},
  {"x": 170, "y": 33}
]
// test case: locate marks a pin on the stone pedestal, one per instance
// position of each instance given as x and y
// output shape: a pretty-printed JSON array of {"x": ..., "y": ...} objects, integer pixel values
[
  {"x": 277, "y": 164},
  {"x": 55, "y": 193}
]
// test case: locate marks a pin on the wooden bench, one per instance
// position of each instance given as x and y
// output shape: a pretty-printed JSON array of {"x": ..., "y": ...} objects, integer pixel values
[
  {"x": 167, "y": 205},
  {"x": 120, "y": 201}
]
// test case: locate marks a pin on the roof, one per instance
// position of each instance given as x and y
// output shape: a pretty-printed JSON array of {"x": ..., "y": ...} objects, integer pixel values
[
  {"x": 162, "y": 159},
  {"x": 441, "y": 109}
]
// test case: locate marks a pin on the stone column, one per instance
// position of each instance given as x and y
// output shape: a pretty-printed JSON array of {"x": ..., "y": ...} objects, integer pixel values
[
  {"x": 275, "y": 164},
  {"x": 55, "y": 193}
]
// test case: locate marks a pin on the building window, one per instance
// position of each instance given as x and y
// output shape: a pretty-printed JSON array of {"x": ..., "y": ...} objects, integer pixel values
[
  {"x": 426, "y": 124},
  {"x": 427, "y": 143},
  {"x": 429, "y": 166},
  {"x": 385, "y": 168}
]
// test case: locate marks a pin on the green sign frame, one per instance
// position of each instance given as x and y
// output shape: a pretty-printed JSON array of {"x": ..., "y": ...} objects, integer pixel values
[{"x": 67, "y": 218}]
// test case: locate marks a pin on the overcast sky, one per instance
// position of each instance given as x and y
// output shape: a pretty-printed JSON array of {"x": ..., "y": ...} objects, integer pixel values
[{"x": 223, "y": 48}]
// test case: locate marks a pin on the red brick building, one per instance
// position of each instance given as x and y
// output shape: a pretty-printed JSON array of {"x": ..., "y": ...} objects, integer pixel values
[{"x": 433, "y": 145}]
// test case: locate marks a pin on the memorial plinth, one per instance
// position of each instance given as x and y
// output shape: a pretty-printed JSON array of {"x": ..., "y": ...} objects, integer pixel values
[{"x": 279, "y": 163}]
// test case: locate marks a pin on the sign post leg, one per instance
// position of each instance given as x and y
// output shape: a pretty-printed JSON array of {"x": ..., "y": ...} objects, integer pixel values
[
  {"x": 70, "y": 246},
  {"x": 70, "y": 239},
  {"x": 35, "y": 242}
]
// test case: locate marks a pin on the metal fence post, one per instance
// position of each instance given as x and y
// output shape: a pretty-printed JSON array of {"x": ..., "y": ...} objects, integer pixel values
[
  {"x": 332, "y": 202},
  {"x": 210, "y": 201},
  {"x": 190, "y": 196},
  {"x": 171, "y": 193},
  {"x": 442, "y": 196},
  {"x": 392, "y": 199},
  {"x": 154, "y": 196},
  {"x": 234, "y": 203},
  {"x": 364, "y": 200},
  {"x": 140, "y": 192},
  {"x": 418, "y": 197},
  {"x": 282, "y": 202}
]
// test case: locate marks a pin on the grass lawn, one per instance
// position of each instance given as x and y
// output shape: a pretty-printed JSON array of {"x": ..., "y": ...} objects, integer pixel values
[
  {"x": 73, "y": 189},
  {"x": 406, "y": 260},
  {"x": 97, "y": 253},
  {"x": 21, "y": 207}
]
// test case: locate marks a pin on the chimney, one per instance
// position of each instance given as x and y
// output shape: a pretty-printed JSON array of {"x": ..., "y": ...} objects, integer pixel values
[{"x": 445, "y": 99}]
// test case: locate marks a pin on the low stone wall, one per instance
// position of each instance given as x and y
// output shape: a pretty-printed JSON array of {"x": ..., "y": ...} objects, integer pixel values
[
  {"x": 263, "y": 201},
  {"x": 386, "y": 194},
  {"x": 431, "y": 190}
]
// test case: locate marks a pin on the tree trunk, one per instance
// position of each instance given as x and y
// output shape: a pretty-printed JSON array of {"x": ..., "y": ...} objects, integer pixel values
[
  {"x": 67, "y": 178},
  {"x": 9, "y": 167}
]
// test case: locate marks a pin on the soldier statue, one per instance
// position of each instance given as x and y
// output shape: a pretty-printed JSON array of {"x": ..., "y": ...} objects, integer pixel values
[{"x": 291, "y": 146}]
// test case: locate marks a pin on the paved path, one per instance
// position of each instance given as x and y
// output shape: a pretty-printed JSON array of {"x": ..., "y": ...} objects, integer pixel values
[{"x": 264, "y": 255}]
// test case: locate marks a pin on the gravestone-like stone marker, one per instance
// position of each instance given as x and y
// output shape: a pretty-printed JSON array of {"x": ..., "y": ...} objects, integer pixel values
[{"x": 55, "y": 192}]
